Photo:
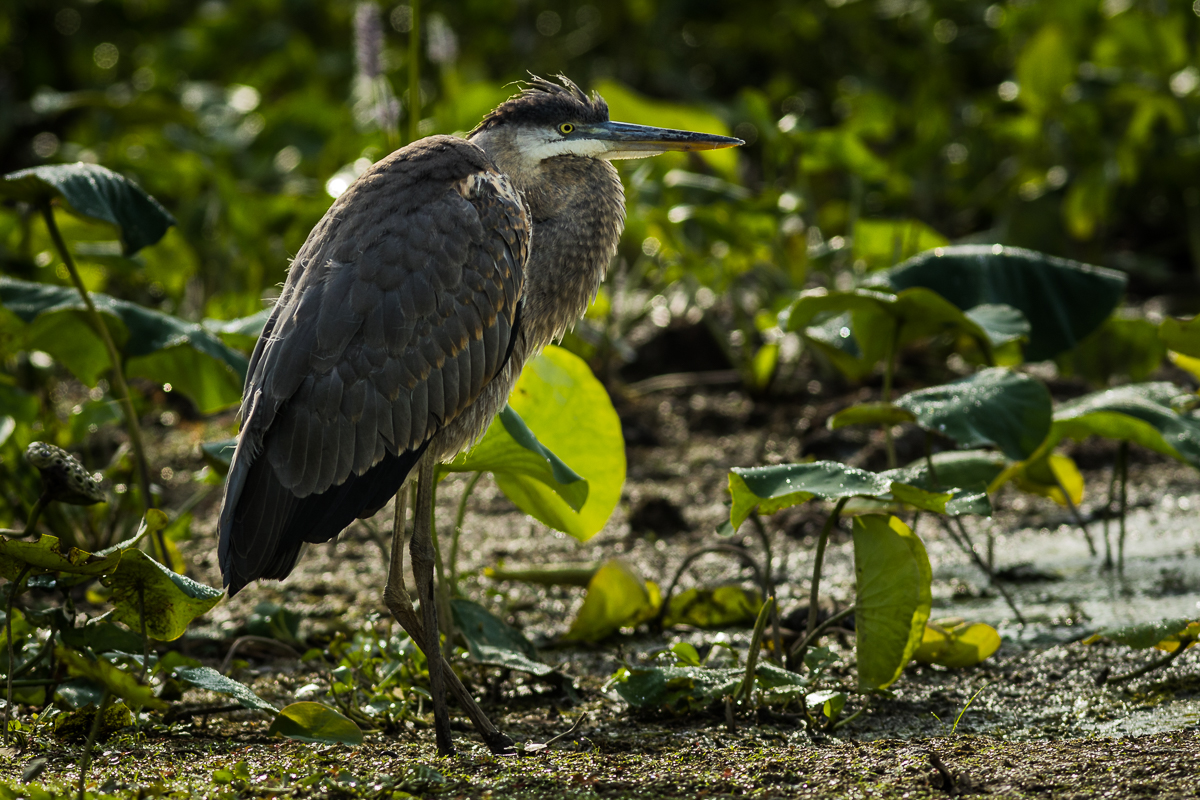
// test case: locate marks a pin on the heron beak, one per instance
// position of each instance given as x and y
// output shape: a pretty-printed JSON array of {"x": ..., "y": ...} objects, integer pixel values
[{"x": 622, "y": 140}]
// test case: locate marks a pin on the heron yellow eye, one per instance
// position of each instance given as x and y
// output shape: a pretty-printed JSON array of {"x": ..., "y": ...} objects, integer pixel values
[{"x": 565, "y": 128}]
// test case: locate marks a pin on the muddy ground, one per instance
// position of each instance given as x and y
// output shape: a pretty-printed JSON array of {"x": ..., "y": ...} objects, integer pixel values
[{"x": 1041, "y": 723}]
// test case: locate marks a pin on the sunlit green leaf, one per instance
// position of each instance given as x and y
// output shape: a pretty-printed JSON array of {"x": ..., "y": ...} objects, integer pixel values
[
  {"x": 570, "y": 413},
  {"x": 1181, "y": 335},
  {"x": 169, "y": 601},
  {"x": 314, "y": 722},
  {"x": 713, "y": 608},
  {"x": 510, "y": 449},
  {"x": 90, "y": 190},
  {"x": 616, "y": 598},
  {"x": 1141, "y": 413},
  {"x": 953, "y": 642},
  {"x": 48, "y": 555},
  {"x": 892, "y": 597}
]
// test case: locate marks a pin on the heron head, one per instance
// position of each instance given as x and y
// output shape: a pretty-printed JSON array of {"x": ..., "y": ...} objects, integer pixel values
[{"x": 547, "y": 120}]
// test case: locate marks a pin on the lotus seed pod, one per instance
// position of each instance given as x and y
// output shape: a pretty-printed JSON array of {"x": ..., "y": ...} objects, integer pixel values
[{"x": 63, "y": 478}]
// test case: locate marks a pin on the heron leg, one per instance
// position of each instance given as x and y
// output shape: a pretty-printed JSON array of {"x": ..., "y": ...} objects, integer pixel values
[{"x": 399, "y": 602}]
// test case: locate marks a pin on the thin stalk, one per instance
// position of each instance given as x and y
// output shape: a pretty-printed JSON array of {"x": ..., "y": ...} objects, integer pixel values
[
  {"x": 888, "y": 370},
  {"x": 744, "y": 694},
  {"x": 35, "y": 513},
  {"x": 1108, "y": 507},
  {"x": 458, "y": 524},
  {"x": 145, "y": 638},
  {"x": 414, "y": 73},
  {"x": 85, "y": 760},
  {"x": 732, "y": 550},
  {"x": 769, "y": 586},
  {"x": 1153, "y": 665},
  {"x": 851, "y": 718},
  {"x": 814, "y": 594},
  {"x": 13, "y": 591},
  {"x": 1123, "y": 458},
  {"x": 802, "y": 645},
  {"x": 1075, "y": 513},
  {"x": 114, "y": 357},
  {"x": 968, "y": 547}
]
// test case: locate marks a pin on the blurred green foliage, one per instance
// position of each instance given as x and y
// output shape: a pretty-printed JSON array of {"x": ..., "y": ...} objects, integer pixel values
[{"x": 1068, "y": 127}]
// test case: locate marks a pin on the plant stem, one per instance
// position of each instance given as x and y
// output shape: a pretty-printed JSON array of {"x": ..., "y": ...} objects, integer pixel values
[
  {"x": 13, "y": 591},
  {"x": 458, "y": 524},
  {"x": 1184, "y": 642},
  {"x": 731, "y": 549},
  {"x": 122, "y": 389},
  {"x": 744, "y": 694},
  {"x": 968, "y": 547},
  {"x": 801, "y": 646},
  {"x": 888, "y": 370},
  {"x": 814, "y": 593},
  {"x": 1123, "y": 459},
  {"x": 1075, "y": 513},
  {"x": 414, "y": 73},
  {"x": 145, "y": 638},
  {"x": 85, "y": 760},
  {"x": 769, "y": 586},
  {"x": 35, "y": 513}
]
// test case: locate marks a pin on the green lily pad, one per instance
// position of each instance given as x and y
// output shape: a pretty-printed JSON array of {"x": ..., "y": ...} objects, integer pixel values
[
  {"x": 566, "y": 574},
  {"x": 490, "y": 640},
  {"x": 992, "y": 407},
  {"x": 892, "y": 597},
  {"x": 170, "y": 601},
  {"x": 314, "y": 722},
  {"x": 162, "y": 348},
  {"x": 965, "y": 474},
  {"x": 681, "y": 690},
  {"x": 1062, "y": 300},
  {"x": 89, "y": 190},
  {"x": 101, "y": 636},
  {"x": 770, "y": 489},
  {"x": 616, "y": 598},
  {"x": 1003, "y": 323}
]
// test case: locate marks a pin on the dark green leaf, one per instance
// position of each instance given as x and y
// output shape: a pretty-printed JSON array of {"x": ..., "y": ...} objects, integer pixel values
[
  {"x": 314, "y": 722},
  {"x": 971, "y": 471},
  {"x": 770, "y": 489},
  {"x": 892, "y": 597},
  {"x": 1063, "y": 300},
  {"x": 209, "y": 679},
  {"x": 219, "y": 454},
  {"x": 492, "y": 641},
  {"x": 684, "y": 689},
  {"x": 101, "y": 636},
  {"x": 170, "y": 601},
  {"x": 155, "y": 346},
  {"x": 89, "y": 190},
  {"x": 565, "y": 574},
  {"x": 992, "y": 407},
  {"x": 1002, "y": 323}
]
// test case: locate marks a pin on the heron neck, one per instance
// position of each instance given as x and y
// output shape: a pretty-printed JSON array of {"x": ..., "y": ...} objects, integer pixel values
[{"x": 578, "y": 211}]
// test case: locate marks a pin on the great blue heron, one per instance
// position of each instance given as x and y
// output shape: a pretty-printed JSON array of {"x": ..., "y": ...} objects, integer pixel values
[{"x": 404, "y": 322}]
